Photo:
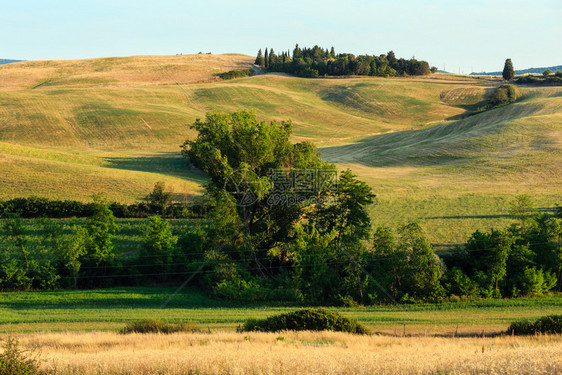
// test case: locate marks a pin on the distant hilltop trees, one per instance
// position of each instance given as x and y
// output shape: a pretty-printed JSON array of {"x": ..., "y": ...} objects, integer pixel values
[
  {"x": 316, "y": 62},
  {"x": 554, "y": 68}
]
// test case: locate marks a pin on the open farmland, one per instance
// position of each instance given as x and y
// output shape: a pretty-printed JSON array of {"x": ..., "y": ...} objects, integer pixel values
[{"x": 69, "y": 129}]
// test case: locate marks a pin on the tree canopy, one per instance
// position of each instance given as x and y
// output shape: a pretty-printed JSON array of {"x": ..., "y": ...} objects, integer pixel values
[
  {"x": 508, "y": 72},
  {"x": 316, "y": 61}
]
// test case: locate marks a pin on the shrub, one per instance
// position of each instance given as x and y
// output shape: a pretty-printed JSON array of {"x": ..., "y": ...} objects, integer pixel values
[
  {"x": 521, "y": 327},
  {"x": 547, "y": 324},
  {"x": 34, "y": 207},
  {"x": 158, "y": 326},
  {"x": 503, "y": 95},
  {"x": 14, "y": 361},
  {"x": 306, "y": 320},
  {"x": 237, "y": 73}
]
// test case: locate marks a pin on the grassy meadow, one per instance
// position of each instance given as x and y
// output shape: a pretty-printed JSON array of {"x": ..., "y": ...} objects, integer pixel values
[
  {"x": 69, "y": 129},
  {"x": 110, "y": 309}
]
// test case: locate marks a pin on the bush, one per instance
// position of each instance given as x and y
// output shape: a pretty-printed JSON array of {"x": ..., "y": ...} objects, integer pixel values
[
  {"x": 14, "y": 361},
  {"x": 237, "y": 73},
  {"x": 306, "y": 320},
  {"x": 547, "y": 324},
  {"x": 158, "y": 326},
  {"x": 503, "y": 95},
  {"x": 521, "y": 327},
  {"x": 34, "y": 207}
]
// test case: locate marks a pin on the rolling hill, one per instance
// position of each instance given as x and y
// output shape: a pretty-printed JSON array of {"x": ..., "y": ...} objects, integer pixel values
[
  {"x": 524, "y": 71},
  {"x": 69, "y": 129}
]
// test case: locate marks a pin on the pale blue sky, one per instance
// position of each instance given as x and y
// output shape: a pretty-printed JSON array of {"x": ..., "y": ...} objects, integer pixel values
[{"x": 471, "y": 35}]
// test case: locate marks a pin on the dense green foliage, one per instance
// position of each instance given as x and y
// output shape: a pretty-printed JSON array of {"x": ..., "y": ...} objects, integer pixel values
[
  {"x": 508, "y": 73},
  {"x": 551, "y": 80},
  {"x": 306, "y": 320},
  {"x": 551, "y": 324},
  {"x": 283, "y": 226},
  {"x": 261, "y": 249},
  {"x": 158, "y": 326},
  {"x": 503, "y": 95},
  {"x": 316, "y": 62},
  {"x": 36, "y": 207},
  {"x": 237, "y": 74},
  {"x": 15, "y": 361}
]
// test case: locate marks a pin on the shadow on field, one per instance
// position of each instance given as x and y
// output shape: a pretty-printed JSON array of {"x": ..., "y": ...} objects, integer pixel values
[
  {"x": 544, "y": 210},
  {"x": 170, "y": 164},
  {"x": 498, "y": 216},
  {"x": 113, "y": 298}
]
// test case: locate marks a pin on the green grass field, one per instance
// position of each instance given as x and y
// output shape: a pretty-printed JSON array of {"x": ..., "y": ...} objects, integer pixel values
[
  {"x": 110, "y": 309},
  {"x": 69, "y": 129}
]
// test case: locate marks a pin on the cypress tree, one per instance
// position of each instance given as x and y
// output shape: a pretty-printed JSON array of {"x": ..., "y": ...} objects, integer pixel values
[
  {"x": 508, "y": 72},
  {"x": 297, "y": 52},
  {"x": 259, "y": 59},
  {"x": 266, "y": 59},
  {"x": 272, "y": 57}
]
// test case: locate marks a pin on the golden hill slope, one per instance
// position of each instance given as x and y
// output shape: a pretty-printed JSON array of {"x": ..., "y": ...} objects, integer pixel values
[
  {"x": 69, "y": 129},
  {"x": 119, "y": 71}
]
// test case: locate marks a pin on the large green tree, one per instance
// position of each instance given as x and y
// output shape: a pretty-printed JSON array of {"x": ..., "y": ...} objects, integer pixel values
[
  {"x": 347, "y": 214},
  {"x": 252, "y": 167},
  {"x": 489, "y": 254},
  {"x": 277, "y": 206}
]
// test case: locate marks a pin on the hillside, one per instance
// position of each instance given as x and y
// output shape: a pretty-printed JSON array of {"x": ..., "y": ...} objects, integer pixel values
[
  {"x": 119, "y": 71},
  {"x": 69, "y": 129},
  {"x": 524, "y": 71}
]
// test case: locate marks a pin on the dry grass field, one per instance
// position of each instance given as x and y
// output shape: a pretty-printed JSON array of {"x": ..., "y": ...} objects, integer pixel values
[
  {"x": 291, "y": 353},
  {"x": 119, "y": 71}
]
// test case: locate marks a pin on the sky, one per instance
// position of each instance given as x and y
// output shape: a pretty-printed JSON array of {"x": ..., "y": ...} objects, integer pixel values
[{"x": 455, "y": 35}]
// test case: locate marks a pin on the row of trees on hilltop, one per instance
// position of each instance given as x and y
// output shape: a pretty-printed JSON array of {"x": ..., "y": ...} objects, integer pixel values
[{"x": 316, "y": 62}]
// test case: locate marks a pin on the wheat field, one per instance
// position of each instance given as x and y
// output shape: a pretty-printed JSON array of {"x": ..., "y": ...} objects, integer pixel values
[{"x": 291, "y": 353}]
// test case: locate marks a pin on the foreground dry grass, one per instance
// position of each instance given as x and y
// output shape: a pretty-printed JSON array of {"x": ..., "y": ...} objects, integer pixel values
[{"x": 292, "y": 353}]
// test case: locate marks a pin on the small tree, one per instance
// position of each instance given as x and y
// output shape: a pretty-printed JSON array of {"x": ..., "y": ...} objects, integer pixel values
[
  {"x": 159, "y": 198},
  {"x": 101, "y": 230},
  {"x": 75, "y": 249},
  {"x": 523, "y": 209},
  {"x": 422, "y": 268},
  {"x": 259, "y": 59},
  {"x": 14, "y": 230},
  {"x": 272, "y": 57},
  {"x": 490, "y": 254},
  {"x": 158, "y": 240},
  {"x": 546, "y": 73},
  {"x": 508, "y": 72}
]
